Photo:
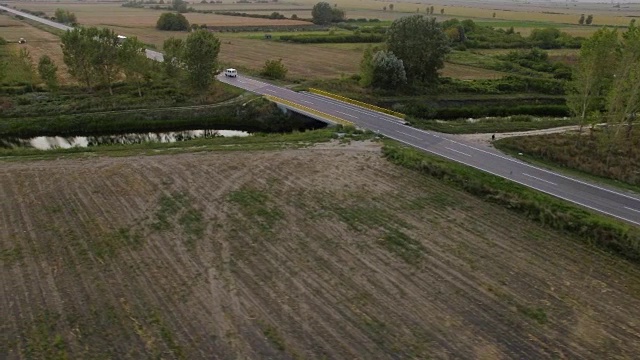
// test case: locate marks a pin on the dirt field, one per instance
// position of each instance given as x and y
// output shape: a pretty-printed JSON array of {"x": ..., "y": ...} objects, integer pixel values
[{"x": 328, "y": 252}]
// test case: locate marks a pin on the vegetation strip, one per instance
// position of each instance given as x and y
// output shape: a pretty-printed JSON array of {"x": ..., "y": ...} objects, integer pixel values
[
  {"x": 356, "y": 102},
  {"x": 310, "y": 110},
  {"x": 595, "y": 229}
]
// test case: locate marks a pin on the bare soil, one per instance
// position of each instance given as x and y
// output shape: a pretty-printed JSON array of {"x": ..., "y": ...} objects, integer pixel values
[{"x": 324, "y": 252}]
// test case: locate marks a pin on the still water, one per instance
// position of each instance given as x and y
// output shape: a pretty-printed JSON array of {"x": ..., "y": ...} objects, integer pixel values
[{"x": 60, "y": 142}]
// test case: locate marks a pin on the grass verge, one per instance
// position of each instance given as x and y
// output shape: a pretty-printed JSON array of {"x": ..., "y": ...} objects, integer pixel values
[
  {"x": 591, "y": 228},
  {"x": 491, "y": 125}
]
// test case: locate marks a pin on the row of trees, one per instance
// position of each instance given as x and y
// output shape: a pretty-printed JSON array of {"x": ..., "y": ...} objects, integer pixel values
[
  {"x": 415, "y": 50},
  {"x": 96, "y": 56},
  {"x": 607, "y": 77}
]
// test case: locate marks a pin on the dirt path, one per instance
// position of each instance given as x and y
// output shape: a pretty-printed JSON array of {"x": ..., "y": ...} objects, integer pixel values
[{"x": 486, "y": 138}]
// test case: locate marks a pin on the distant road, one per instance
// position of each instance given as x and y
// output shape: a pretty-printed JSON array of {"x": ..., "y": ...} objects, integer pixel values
[
  {"x": 609, "y": 201},
  {"x": 617, "y": 203},
  {"x": 151, "y": 54}
]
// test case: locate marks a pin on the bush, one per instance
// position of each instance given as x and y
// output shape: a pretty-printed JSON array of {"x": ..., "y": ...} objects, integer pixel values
[
  {"x": 172, "y": 22},
  {"x": 274, "y": 69}
]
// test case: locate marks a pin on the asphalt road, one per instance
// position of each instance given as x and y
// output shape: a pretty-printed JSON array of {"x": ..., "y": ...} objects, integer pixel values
[{"x": 616, "y": 203}]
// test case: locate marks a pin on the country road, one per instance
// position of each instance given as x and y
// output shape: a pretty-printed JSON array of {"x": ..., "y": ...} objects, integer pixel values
[
  {"x": 613, "y": 202},
  {"x": 617, "y": 203}
]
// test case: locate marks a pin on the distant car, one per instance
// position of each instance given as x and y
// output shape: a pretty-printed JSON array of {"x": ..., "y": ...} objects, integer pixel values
[
  {"x": 22, "y": 41},
  {"x": 230, "y": 73}
]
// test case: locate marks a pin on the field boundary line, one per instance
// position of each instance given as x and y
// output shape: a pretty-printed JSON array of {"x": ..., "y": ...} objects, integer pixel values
[
  {"x": 309, "y": 110},
  {"x": 356, "y": 102}
]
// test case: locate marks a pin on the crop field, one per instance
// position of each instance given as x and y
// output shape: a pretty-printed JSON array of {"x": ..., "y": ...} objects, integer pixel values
[
  {"x": 39, "y": 42},
  {"x": 321, "y": 252}
]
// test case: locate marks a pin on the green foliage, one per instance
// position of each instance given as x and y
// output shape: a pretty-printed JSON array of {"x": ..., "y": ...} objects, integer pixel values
[
  {"x": 366, "y": 67},
  {"x": 274, "y": 15},
  {"x": 589, "y": 20},
  {"x": 65, "y": 17},
  {"x": 388, "y": 71},
  {"x": 201, "y": 58},
  {"x": 105, "y": 48},
  {"x": 48, "y": 72},
  {"x": 274, "y": 69},
  {"x": 26, "y": 68},
  {"x": 173, "y": 55},
  {"x": 78, "y": 47},
  {"x": 479, "y": 111},
  {"x": 322, "y": 13},
  {"x": 172, "y": 22},
  {"x": 133, "y": 60},
  {"x": 593, "y": 74},
  {"x": 335, "y": 39},
  {"x": 581, "y": 20},
  {"x": 608, "y": 234},
  {"x": 421, "y": 44}
]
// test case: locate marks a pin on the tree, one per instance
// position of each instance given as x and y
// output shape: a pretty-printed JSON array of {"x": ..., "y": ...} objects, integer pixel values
[
  {"x": 201, "y": 58},
  {"x": 493, "y": 15},
  {"x": 545, "y": 38},
  {"x": 384, "y": 8},
  {"x": 173, "y": 55},
  {"x": 274, "y": 69},
  {"x": 322, "y": 13},
  {"x": 581, "y": 20},
  {"x": 25, "y": 64},
  {"x": 65, "y": 17},
  {"x": 589, "y": 20},
  {"x": 388, "y": 71},
  {"x": 432, "y": 9},
  {"x": 421, "y": 44},
  {"x": 337, "y": 15},
  {"x": 624, "y": 96},
  {"x": 179, "y": 6},
  {"x": 77, "y": 49},
  {"x": 366, "y": 67},
  {"x": 172, "y": 22},
  {"x": 390, "y": 7},
  {"x": 48, "y": 72},
  {"x": 133, "y": 61},
  {"x": 593, "y": 74},
  {"x": 441, "y": 11},
  {"x": 105, "y": 56}
]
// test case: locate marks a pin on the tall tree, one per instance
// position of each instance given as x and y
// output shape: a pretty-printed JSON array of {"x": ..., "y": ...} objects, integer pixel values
[
  {"x": 624, "y": 97},
  {"x": 581, "y": 20},
  {"x": 593, "y": 74},
  {"x": 173, "y": 56},
  {"x": 322, "y": 13},
  {"x": 105, "y": 57},
  {"x": 25, "y": 64},
  {"x": 78, "y": 50},
  {"x": 48, "y": 72},
  {"x": 134, "y": 62},
  {"x": 421, "y": 44},
  {"x": 201, "y": 58},
  {"x": 366, "y": 67}
]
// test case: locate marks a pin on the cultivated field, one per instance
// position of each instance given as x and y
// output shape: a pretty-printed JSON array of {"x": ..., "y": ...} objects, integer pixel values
[{"x": 326, "y": 252}]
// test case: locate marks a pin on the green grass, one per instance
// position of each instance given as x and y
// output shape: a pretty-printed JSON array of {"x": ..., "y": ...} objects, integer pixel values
[
  {"x": 491, "y": 125},
  {"x": 591, "y": 228},
  {"x": 402, "y": 245},
  {"x": 256, "y": 204}
]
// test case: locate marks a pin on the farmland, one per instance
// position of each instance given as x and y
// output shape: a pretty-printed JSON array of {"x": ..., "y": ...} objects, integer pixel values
[{"x": 327, "y": 251}]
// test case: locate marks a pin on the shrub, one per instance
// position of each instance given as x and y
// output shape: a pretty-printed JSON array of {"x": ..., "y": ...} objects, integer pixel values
[
  {"x": 319, "y": 39},
  {"x": 172, "y": 22},
  {"x": 274, "y": 69}
]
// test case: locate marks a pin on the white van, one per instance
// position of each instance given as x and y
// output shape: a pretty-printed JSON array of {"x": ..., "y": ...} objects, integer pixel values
[{"x": 230, "y": 73}]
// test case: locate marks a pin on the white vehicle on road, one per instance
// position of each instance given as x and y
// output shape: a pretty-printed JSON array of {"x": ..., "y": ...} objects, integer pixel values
[{"x": 230, "y": 72}]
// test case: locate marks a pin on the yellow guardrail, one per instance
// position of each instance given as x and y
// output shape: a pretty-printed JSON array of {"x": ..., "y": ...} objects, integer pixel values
[
  {"x": 356, "y": 102},
  {"x": 335, "y": 119}
]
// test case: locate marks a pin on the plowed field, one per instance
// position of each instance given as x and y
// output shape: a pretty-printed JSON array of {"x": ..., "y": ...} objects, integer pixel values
[{"x": 325, "y": 252}]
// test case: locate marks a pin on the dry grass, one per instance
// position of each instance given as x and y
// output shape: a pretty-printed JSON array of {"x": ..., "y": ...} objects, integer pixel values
[
  {"x": 328, "y": 252},
  {"x": 39, "y": 42}
]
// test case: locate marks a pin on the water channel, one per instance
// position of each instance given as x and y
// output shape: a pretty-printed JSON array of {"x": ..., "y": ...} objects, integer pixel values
[{"x": 66, "y": 142}]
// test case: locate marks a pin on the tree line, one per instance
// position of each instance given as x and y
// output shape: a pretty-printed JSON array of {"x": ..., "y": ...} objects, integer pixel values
[{"x": 606, "y": 82}]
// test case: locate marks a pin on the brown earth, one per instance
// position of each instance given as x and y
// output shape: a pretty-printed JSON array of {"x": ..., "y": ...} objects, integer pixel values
[{"x": 326, "y": 252}]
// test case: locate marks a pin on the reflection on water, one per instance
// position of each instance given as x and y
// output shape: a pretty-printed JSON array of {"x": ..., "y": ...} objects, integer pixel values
[{"x": 59, "y": 142}]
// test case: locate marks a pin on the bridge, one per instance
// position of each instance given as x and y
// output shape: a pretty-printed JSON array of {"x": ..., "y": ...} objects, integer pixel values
[{"x": 617, "y": 203}]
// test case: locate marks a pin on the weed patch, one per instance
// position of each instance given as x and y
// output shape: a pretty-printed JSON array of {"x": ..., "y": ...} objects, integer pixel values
[
  {"x": 255, "y": 204},
  {"x": 402, "y": 245}
]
